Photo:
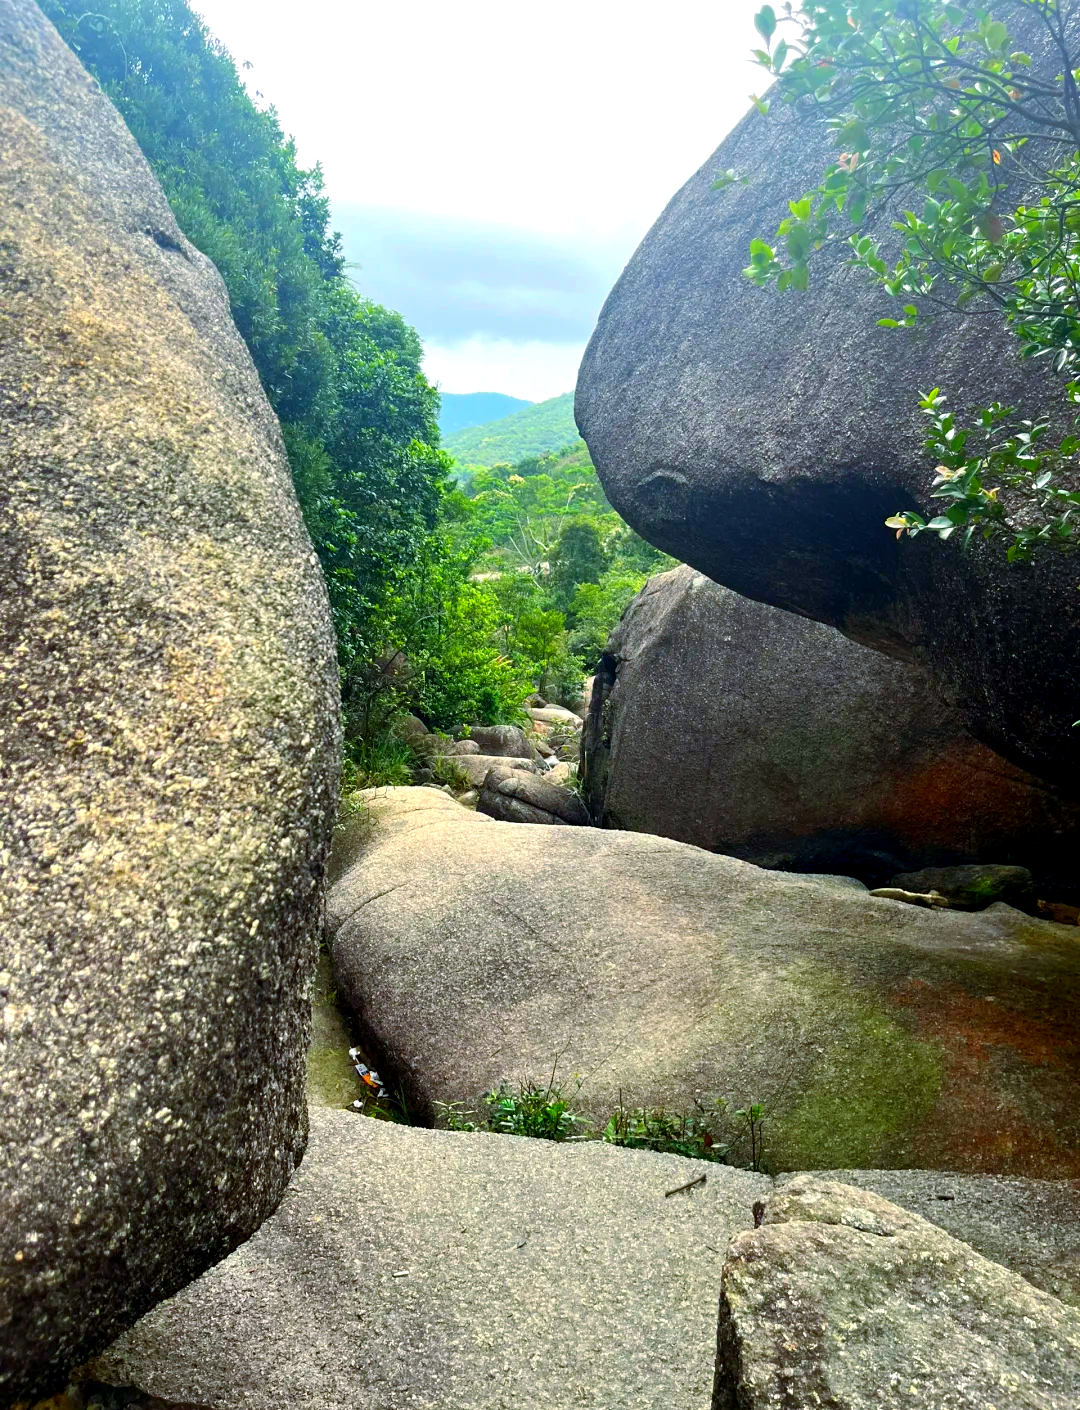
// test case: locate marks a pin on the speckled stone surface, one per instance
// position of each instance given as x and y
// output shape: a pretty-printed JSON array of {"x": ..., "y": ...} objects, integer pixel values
[
  {"x": 747, "y": 730},
  {"x": 874, "y": 1033},
  {"x": 1031, "y": 1226},
  {"x": 843, "y": 1299},
  {"x": 765, "y": 438},
  {"x": 411, "y": 1268},
  {"x": 510, "y": 796},
  {"x": 168, "y": 740}
]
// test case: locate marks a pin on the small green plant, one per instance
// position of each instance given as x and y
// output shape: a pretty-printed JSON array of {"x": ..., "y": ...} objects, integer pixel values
[
  {"x": 530, "y": 1110},
  {"x": 541, "y": 1112},
  {"x": 693, "y": 1134},
  {"x": 752, "y": 1118},
  {"x": 447, "y": 770},
  {"x": 452, "y": 1116},
  {"x": 381, "y": 761}
]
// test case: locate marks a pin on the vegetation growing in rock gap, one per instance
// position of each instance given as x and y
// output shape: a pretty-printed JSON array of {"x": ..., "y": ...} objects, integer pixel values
[
  {"x": 940, "y": 110},
  {"x": 527, "y": 1109},
  {"x": 711, "y": 1131}
]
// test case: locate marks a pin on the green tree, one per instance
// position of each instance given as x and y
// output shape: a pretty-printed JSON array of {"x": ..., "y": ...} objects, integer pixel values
[
  {"x": 938, "y": 111},
  {"x": 578, "y": 557},
  {"x": 342, "y": 374}
]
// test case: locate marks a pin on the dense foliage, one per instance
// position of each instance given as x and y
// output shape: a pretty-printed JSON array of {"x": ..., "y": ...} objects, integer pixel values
[
  {"x": 536, "y": 430},
  {"x": 940, "y": 111},
  {"x": 560, "y": 562}
]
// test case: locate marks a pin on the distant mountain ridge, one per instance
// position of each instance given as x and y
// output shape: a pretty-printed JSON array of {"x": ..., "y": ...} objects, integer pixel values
[
  {"x": 536, "y": 430},
  {"x": 460, "y": 410}
]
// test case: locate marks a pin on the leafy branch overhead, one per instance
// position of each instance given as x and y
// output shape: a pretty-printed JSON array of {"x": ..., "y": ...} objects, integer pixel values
[{"x": 937, "y": 112}]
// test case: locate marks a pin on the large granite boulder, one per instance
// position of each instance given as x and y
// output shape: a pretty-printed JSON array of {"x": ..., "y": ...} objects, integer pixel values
[
  {"x": 738, "y": 727},
  {"x": 873, "y": 1033},
  {"x": 511, "y": 796},
  {"x": 841, "y": 1298},
  {"x": 502, "y": 741},
  {"x": 168, "y": 741},
  {"x": 764, "y": 439},
  {"x": 476, "y": 767},
  {"x": 438, "y": 1268}
]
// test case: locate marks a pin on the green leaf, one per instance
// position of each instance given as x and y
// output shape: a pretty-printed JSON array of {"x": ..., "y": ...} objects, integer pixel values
[
  {"x": 779, "y": 55},
  {"x": 760, "y": 104},
  {"x": 765, "y": 23},
  {"x": 888, "y": 323},
  {"x": 995, "y": 35}
]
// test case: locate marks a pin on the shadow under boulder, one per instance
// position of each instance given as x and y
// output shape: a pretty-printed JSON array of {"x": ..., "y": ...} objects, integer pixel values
[{"x": 747, "y": 730}]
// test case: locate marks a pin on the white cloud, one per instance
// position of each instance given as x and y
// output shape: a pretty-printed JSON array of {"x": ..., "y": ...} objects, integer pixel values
[
  {"x": 572, "y": 123},
  {"x": 534, "y": 370}
]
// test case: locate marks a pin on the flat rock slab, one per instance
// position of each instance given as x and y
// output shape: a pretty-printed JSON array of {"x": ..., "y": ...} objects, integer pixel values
[
  {"x": 845, "y": 1300},
  {"x": 442, "y": 1269},
  {"x": 875, "y": 1034}
]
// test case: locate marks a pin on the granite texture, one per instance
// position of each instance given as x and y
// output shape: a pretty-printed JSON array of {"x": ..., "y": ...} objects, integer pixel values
[
  {"x": 843, "y": 1299},
  {"x": 723, "y": 722},
  {"x": 875, "y": 1033},
  {"x": 511, "y": 796},
  {"x": 169, "y": 740},
  {"x": 465, "y": 1272}
]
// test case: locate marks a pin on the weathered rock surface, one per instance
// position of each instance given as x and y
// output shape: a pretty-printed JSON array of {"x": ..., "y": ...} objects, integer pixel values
[
  {"x": 972, "y": 887},
  {"x": 875, "y": 1034},
  {"x": 510, "y": 796},
  {"x": 1031, "y": 1226},
  {"x": 464, "y": 746},
  {"x": 841, "y": 1298},
  {"x": 556, "y": 715},
  {"x": 764, "y": 439},
  {"x": 462, "y": 1271},
  {"x": 476, "y": 767},
  {"x": 168, "y": 741},
  {"x": 744, "y": 729},
  {"x": 503, "y": 741}
]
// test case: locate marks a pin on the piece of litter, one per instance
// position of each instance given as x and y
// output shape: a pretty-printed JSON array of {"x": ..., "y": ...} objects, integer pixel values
[
  {"x": 678, "y": 1190},
  {"x": 403, "y": 1274}
]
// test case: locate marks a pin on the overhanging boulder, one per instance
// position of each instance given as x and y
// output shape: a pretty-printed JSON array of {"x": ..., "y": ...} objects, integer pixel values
[{"x": 765, "y": 438}]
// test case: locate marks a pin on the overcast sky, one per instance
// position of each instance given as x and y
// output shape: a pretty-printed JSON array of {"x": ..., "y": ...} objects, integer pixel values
[{"x": 493, "y": 165}]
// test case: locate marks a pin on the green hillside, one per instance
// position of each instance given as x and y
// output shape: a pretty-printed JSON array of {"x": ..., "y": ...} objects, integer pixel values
[
  {"x": 460, "y": 410},
  {"x": 538, "y": 430}
]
